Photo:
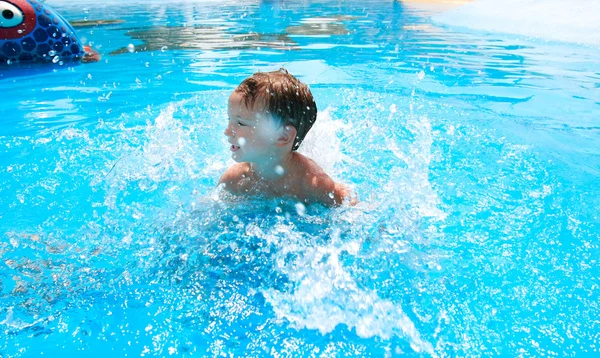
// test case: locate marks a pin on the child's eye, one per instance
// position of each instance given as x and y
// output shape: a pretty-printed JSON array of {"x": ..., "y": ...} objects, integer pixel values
[{"x": 241, "y": 124}]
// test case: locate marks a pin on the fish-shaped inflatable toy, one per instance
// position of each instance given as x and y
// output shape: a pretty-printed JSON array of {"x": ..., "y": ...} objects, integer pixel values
[{"x": 32, "y": 32}]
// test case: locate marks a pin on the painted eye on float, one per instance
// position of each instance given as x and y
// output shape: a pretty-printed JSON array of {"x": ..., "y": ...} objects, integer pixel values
[{"x": 10, "y": 15}]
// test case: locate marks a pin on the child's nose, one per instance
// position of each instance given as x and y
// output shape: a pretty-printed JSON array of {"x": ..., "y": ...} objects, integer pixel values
[{"x": 228, "y": 131}]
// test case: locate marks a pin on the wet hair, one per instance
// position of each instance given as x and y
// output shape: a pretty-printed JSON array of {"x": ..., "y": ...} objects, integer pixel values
[{"x": 284, "y": 97}]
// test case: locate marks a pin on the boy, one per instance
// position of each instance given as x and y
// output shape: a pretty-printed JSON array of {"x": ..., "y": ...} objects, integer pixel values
[{"x": 269, "y": 116}]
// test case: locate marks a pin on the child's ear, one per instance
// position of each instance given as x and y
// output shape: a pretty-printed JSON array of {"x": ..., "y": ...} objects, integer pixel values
[{"x": 286, "y": 136}]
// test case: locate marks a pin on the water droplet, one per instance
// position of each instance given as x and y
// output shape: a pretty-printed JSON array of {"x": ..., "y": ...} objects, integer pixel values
[
  {"x": 147, "y": 64},
  {"x": 61, "y": 63},
  {"x": 137, "y": 80},
  {"x": 300, "y": 209},
  {"x": 278, "y": 210},
  {"x": 164, "y": 48},
  {"x": 279, "y": 170},
  {"x": 393, "y": 108},
  {"x": 105, "y": 97},
  {"x": 89, "y": 76},
  {"x": 56, "y": 59},
  {"x": 52, "y": 53},
  {"x": 421, "y": 75},
  {"x": 242, "y": 141},
  {"x": 19, "y": 31},
  {"x": 8, "y": 62},
  {"x": 159, "y": 77},
  {"x": 130, "y": 48}
]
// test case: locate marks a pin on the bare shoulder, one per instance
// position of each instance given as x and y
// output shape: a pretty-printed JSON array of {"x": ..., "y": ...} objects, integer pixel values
[
  {"x": 318, "y": 186},
  {"x": 306, "y": 165},
  {"x": 234, "y": 176}
]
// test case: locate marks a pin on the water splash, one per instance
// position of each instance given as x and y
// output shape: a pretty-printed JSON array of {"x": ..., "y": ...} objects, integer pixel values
[
  {"x": 413, "y": 179},
  {"x": 324, "y": 295},
  {"x": 323, "y": 143}
]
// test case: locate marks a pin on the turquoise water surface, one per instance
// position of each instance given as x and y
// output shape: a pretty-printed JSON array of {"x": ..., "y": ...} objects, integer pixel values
[{"x": 475, "y": 156}]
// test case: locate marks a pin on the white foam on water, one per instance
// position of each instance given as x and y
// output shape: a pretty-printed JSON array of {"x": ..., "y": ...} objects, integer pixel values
[
  {"x": 326, "y": 295},
  {"x": 574, "y": 21}
]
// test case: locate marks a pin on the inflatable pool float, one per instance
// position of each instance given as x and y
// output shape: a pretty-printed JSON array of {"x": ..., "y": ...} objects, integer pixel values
[{"x": 32, "y": 32}]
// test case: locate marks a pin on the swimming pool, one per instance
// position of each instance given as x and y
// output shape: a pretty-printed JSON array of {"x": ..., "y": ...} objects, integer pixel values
[{"x": 475, "y": 156}]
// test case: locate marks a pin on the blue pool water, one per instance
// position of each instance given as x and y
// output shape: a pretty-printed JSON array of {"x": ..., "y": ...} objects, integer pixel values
[{"x": 475, "y": 155}]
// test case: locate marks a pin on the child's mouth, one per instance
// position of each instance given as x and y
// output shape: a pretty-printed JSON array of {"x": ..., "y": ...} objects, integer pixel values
[{"x": 234, "y": 148}]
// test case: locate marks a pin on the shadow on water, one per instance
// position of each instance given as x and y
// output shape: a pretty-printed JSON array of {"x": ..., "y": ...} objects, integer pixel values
[{"x": 204, "y": 39}]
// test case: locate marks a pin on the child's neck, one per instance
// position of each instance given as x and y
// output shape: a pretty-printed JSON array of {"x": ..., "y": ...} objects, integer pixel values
[{"x": 273, "y": 169}]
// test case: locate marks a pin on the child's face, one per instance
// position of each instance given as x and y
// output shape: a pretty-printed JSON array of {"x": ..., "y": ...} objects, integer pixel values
[{"x": 251, "y": 132}]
